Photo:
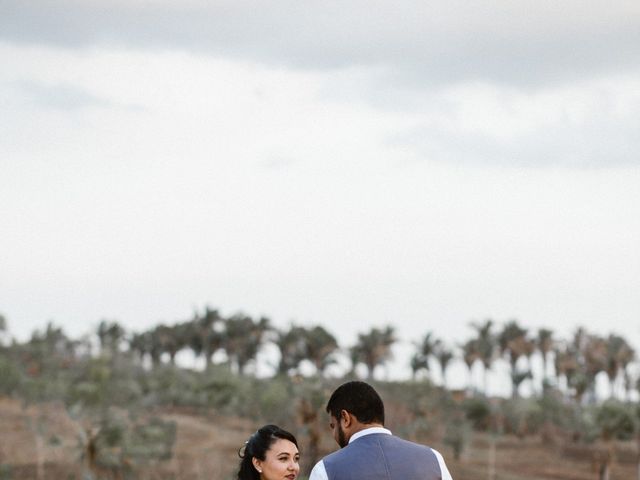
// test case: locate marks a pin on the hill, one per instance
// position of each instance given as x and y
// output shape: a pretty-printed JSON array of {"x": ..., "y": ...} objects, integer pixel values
[{"x": 43, "y": 442}]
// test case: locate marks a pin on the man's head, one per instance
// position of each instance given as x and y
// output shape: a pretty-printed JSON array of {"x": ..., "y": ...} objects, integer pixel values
[{"x": 354, "y": 406}]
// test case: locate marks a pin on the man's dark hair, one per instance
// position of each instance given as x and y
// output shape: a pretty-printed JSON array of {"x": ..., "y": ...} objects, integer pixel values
[{"x": 360, "y": 400}]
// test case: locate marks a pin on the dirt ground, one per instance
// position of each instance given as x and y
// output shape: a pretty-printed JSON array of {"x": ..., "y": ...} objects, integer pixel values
[{"x": 44, "y": 443}]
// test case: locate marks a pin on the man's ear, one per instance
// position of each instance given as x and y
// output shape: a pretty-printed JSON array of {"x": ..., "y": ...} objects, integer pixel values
[{"x": 346, "y": 417}]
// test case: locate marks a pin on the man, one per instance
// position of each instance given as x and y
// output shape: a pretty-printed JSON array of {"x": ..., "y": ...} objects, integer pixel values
[{"x": 368, "y": 450}]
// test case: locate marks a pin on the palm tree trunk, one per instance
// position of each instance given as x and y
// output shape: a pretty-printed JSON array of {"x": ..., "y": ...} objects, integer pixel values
[
  {"x": 638, "y": 457},
  {"x": 39, "y": 444},
  {"x": 486, "y": 381},
  {"x": 612, "y": 388},
  {"x": 492, "y": 459},
  {"x": 370, "y": 367},
  {"x": 605, "y": 468}
]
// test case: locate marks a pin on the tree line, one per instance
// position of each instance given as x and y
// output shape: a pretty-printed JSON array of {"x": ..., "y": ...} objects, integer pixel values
[{"x": 570, "y": 366}]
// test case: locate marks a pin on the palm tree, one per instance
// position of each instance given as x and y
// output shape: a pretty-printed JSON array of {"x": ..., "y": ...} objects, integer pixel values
[
  {"x": 595, "y": 360},
  {"x": 426, "y": 349},
  {"x": 580, "y": 383},
  {"x": 566, "y": 363},
  {"x": 528, "y": 349},
  {"x": 544, "y": 343},
  {"x": 626, "y": 356},
  {"x": 292, "y": 346},
  {"x": 170, "y": 339},
  {"x": 155, "y": 346},
  {"x": 141, "y": 344},
  {"x": 205, "y": 336},
  {"x": 110, "y": 335},
  {"x": 243, "y": 339},
  {"x": 56, "y": 341},
  {"x": 354, "y": 359},
  {"x": 514, "y": 344},
  {"x": 320, "y": 347},
  {"x": 581, "y": 361},
  {"x": 47, "y": 351},
  {"x": 444, "y": 355},
  {"x": 619, "y": 355},
  {"x": 470, "y": 354},
  {"x": 517, "y": 378},
  {"x": 417, "y": 363},
  {"x": 373, "y": 348},
  {"x": 486, "y": 345}
]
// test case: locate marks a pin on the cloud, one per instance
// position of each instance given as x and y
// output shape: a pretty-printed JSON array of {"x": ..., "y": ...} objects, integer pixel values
[
  {"x": 60, "y": 96},
  {"x": 415, "y": 43},
  {"x": 499, "y": 83},
  {"x": 598, "y": 146},
  {"x": 589, "y": 124}
]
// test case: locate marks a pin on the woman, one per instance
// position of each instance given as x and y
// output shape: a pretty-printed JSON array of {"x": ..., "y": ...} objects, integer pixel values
[{"x": 270, "y": 454}]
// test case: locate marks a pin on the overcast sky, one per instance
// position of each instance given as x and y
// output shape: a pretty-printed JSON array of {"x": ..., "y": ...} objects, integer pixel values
[{"x": 350, "y": 164}]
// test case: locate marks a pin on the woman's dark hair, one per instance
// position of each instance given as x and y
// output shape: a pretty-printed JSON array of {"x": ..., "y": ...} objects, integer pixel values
[
  {"x": 359, "y": 399},
  {"x": 257, "y": 447}
]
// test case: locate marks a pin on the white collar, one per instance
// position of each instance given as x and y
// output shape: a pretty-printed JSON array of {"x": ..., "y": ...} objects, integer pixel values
[{"x": 369, "y": 431}]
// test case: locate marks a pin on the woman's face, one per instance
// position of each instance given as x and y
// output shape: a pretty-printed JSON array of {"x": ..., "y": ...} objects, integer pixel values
[{"x": 280, "y": 463}]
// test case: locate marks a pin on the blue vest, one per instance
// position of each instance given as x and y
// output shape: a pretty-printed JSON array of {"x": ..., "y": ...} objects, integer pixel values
[{"x": 379, "y": 456}]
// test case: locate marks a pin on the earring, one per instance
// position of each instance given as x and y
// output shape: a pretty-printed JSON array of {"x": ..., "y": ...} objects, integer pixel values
[{"x": 259, "y": 470}]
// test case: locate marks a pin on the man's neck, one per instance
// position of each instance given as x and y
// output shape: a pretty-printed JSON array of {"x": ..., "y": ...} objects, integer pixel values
[
  {"x": 359, "y": 427},
  {"x": 363, "y": 426},
  {"x": 367, "y": 429}
]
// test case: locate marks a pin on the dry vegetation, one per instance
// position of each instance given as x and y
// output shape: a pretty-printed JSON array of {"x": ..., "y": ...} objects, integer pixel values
[{"x": 40, "y": 442}]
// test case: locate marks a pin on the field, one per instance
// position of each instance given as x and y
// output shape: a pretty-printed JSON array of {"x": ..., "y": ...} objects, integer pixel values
[{"x": 42, "y": 442}]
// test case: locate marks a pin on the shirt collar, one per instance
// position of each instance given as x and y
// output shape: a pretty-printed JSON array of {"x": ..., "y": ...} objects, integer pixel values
[{"x": 369, "y": 431}]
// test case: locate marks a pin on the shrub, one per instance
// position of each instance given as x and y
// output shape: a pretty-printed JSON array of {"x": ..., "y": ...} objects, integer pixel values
[
  {"x": 615, "y": 420},
  {"x": 522, "y": 416},
  {"x": 478, "y": 412},
  {"x": 10, "y": 377}
]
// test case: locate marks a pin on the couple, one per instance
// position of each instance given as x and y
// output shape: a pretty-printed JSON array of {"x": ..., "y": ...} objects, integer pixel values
[{"x": 368, "y": 450}]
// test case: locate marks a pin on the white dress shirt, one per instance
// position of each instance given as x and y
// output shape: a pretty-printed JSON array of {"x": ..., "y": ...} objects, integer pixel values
[{"x": 320, "y": 473}]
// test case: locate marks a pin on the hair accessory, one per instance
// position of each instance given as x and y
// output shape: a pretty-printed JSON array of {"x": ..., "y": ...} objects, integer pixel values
[{"x": 242, "y": 450}]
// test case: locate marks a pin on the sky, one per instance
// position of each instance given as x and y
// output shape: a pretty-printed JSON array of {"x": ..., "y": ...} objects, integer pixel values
[{"x": 350, "y": 164}]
